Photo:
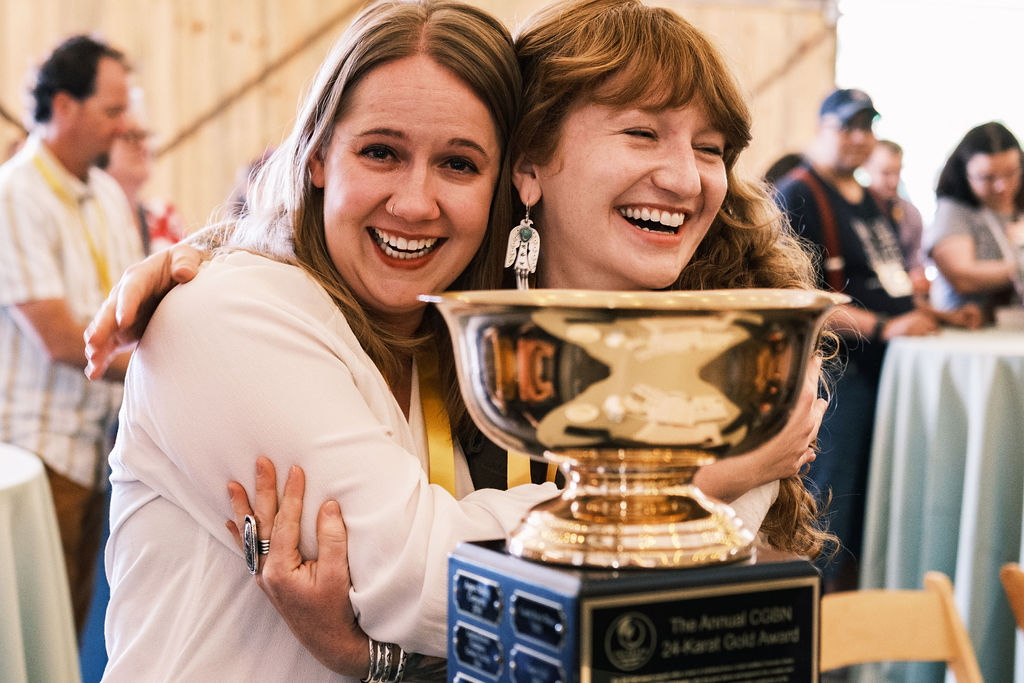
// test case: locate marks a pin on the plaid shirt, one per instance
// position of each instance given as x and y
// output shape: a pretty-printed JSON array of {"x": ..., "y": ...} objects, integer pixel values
[{"x": 48, "y": 407}]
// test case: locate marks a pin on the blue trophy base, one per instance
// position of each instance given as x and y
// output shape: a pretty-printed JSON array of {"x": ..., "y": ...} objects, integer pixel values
[{"x": 520, "y": 621}]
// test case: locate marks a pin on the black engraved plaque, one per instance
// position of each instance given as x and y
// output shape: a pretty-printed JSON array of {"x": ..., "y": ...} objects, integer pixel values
[
  {"x": 538, "y": 619},
  {"x": 533, "y": 667},
  {"x": 479, "y": 650},
  {"x": 478, "y": 597}
]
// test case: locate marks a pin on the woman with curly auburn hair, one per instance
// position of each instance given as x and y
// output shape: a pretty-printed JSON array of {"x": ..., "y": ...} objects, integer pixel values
[{"x": 629, "y": 128}]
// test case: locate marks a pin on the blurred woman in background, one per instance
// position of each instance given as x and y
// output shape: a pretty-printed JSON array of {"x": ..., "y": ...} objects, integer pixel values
[{"x": 977, "y": 236}]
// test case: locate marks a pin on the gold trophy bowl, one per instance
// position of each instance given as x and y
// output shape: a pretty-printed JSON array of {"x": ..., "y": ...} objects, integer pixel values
[{"x": 629, "y": 393}]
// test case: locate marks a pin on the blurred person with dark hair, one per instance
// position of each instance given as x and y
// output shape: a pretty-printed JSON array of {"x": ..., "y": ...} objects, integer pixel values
[
  {"x": 977, "y": 235},
  {"x": 65, "y": 236},
  {"x": 130, "y": 162}
]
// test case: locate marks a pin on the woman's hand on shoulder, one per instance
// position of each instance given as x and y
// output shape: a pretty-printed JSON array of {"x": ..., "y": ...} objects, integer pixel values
[{"x": 123, "y": 317}]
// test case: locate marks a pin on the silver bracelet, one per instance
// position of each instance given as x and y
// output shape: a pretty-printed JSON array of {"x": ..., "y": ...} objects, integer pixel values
[
  {"x": 387, "y": 663},
  {"x": 386, "y": 673},
  {"x": 401, "y": 665},
  {"x": 373, "y": 675}
]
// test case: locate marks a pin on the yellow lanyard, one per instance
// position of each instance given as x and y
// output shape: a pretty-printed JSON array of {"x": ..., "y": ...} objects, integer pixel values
[
  {"x": 519, "y": 470},
  {"x": 440, "y": 450},
  {"x": 98, "y": 259}
]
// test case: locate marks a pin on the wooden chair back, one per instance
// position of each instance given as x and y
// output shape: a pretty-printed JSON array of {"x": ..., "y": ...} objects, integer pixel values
[{"x": 864, "y": 626}]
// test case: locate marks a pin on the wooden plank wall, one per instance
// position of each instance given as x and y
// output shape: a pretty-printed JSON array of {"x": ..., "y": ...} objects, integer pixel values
[
  {"x": 221, "y": 78},
  {"x": 189, "y": 57}
]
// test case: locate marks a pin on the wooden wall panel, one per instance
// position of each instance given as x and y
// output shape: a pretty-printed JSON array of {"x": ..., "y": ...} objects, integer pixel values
[
  {"x": 784, "y": 57},
  {"x": 192, "y": 54},
  {"x": 189, "y": 56}
]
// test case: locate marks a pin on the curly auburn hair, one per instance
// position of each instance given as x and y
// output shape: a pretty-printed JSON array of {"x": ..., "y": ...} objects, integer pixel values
[{"x": 569, "y": 52}]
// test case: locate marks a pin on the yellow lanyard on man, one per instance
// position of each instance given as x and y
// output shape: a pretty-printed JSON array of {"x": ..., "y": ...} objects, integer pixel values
[{"x": 98, "y": 258}]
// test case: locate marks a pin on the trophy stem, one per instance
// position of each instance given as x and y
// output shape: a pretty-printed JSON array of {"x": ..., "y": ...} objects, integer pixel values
[{"x": 620, "y": 516}]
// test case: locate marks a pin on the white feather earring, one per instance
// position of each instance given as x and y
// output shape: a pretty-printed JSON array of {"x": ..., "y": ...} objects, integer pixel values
[{"x": 523, "y": 250}]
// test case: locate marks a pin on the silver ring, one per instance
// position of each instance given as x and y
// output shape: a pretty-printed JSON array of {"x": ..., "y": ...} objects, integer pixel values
[
  {"x": 251, "y": 545},
  {"x": 264, "y": 546},
  {"x": 391, "y": 209}
]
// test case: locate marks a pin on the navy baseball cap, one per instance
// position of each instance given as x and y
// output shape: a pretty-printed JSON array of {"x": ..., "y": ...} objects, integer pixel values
[{"x": 847, "y": 103}]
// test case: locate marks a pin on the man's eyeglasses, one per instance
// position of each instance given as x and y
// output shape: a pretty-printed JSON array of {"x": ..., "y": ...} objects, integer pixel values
[
  {"x": 860, "y": 122},
  {"x": 855, "y": 124}
]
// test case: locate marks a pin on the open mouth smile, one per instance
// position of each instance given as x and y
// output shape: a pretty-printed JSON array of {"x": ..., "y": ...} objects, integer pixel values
[
  {"x": 402, "y": 247},
  {"x": 654, "y": 220}
]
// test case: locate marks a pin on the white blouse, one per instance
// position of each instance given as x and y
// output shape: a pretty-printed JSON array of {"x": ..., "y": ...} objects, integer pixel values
[{"x": 252, "y": 358}]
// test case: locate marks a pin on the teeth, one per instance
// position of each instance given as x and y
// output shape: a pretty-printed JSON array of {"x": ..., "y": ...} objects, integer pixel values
[
  {"x": 401, "y": 247},
  {"x": 666, "y": 218}
]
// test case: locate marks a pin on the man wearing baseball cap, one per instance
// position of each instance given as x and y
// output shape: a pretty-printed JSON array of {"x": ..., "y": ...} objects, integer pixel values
[{"x": 860, "y": 256}]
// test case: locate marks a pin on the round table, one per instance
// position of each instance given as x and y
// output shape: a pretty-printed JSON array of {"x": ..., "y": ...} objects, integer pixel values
[
  {"x": 946, "y": 488},
  {"x": 37, "y": 632}
]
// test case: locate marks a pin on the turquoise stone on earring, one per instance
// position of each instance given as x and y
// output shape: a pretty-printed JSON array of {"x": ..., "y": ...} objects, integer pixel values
[{"x": 525, "y": 234}]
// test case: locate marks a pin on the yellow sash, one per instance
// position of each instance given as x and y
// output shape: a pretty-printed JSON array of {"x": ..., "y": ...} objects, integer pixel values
[
  {"x": 98, "y": 259},
  {"x": 519, "y": 469},
  {"x": 440, "y": 451}
]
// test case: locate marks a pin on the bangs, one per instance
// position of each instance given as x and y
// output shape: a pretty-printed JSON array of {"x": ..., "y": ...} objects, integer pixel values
[{"x": 658, "y": 61}]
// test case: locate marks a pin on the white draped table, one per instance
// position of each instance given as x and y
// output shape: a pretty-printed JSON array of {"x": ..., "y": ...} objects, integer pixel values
[
  {"x": 37, "y": 633},
  {"x": 946, "y": 488}
]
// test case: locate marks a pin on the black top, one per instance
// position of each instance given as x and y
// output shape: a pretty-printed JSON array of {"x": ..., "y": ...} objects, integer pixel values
[{"x": 488, "y": 464}]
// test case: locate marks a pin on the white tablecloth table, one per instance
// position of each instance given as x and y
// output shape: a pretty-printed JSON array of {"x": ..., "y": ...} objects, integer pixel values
[
  {"x": 37, "y": 632},
  {"x": 946, "y": 489}
]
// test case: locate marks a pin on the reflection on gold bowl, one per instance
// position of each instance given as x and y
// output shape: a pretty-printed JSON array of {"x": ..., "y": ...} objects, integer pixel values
[{"x": 631, "y": 392}]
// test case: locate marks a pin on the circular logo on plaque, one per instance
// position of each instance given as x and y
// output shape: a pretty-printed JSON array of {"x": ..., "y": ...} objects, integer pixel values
[{"x": 630, "y": 640}]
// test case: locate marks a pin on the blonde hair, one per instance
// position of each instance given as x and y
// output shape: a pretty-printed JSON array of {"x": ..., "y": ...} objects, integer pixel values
[
  {"x": 569, "y": 53},
  {"x": 286, "y": 220}
]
